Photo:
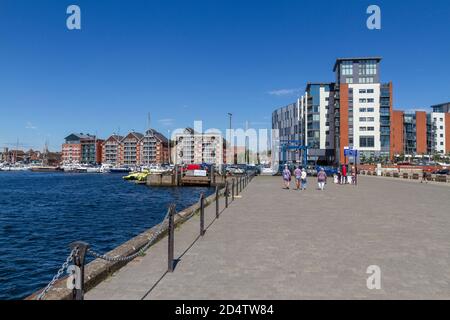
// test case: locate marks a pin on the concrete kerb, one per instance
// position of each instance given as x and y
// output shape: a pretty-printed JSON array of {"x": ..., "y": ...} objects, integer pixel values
[{"x": 98, "y": 270}]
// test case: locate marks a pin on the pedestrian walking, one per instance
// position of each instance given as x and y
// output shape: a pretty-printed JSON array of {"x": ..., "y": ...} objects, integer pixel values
[
  {"x": 344, "y": 174},
  {"x": 303, "y": 179},
  {"x": 286, "y": 177},
  {"x": 424, "y": 177},
  {"x": 354, "y": 176},
  {"x": 298, "y": 176},
  {"x": 321, "y": 179}
]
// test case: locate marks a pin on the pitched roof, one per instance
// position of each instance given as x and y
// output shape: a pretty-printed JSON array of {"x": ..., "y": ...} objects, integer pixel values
[{"x": 156, "y": 134}]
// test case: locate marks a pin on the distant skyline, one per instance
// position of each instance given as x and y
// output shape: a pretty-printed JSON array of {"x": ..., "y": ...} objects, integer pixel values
[{"x": 183, "y": 61}]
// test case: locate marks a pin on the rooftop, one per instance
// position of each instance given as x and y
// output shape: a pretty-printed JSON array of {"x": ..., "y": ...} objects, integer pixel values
[{"x": 339, "y": 60}]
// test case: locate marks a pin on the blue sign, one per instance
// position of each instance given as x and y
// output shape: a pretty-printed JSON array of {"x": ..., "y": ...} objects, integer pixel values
[{"x": 350, "y": 153}]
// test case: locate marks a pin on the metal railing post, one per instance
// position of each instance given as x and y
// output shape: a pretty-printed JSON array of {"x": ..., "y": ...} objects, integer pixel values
[
  {"x": 227, "y": 192},
  {"x": 202, "y": 214},
  {"x": 78, "y": 261},
  {"x": 232, "y": 190},
  {"x": 171, "y": 236},
  {"x": 217, "y": 202}
]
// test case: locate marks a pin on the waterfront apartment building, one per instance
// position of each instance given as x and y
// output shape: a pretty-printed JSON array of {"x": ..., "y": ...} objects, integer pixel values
[
  {"x": 82, "y": 148},
  {"x": 362, "y": 108},
  {"x": 193, "y": 147},
  {"x": 311, "y": 114},
  {"x": 419, "y": 133},
  {"x": 154, "y": 148},
  {"x": 112, "y": 150},
  {"x": 130, "y": 149},
  {"x": 440, "y": 122},
  {"x": 353, "y": 112}
]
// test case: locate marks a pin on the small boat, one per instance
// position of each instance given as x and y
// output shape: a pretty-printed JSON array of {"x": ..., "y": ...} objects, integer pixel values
[
  {"x": 120, "y": 170},
  {"x": 138, "y": 176},
  {"x": 44, "y": 169}
]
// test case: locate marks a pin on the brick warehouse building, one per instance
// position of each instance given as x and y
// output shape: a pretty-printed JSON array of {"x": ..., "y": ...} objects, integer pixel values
[{"x": 356, "y": 111}]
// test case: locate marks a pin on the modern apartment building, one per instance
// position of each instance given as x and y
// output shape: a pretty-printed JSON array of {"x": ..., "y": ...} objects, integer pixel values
[
  {"x": 82, "y": 148},
  {"x": 362, "y": 108},
  {"x": 193, "y": 147},
  {"x": 441, "y": 132},
  {"x": 154, "y": 148},
  {"x": 319, "y": 121}
]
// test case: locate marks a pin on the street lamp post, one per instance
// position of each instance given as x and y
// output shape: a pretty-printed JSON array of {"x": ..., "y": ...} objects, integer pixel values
[{"x": 230, "y": 115}]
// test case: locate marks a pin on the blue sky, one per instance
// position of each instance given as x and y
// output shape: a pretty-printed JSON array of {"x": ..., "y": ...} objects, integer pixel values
[{"x": 197, "y": 60}]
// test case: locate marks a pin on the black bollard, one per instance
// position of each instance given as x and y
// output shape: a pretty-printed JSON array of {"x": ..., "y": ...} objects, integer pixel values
[{"x": 78, "y": 261}]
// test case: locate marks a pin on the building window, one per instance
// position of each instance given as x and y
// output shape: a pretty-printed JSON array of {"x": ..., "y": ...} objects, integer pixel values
[
  {"x": 366, "y": 141},
  {"x": 368, "y": 67},
  {"x": 370, "y": 100},
  {"x": 349, "y": 80},
  {"x": 362, "y": 90},
  {"x": 347, "y": 68},
  {"x": 369, "y": 90},
  {"x": 362, "y": 119},
  {"x": 370, "y": 110},
  {"x": 362, "y": 109}
]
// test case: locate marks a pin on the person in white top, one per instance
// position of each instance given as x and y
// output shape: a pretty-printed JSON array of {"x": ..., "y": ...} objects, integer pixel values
[{"x": 303, "y": 179}]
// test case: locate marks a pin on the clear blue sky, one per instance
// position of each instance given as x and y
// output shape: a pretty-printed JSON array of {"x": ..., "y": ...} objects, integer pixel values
[{"x": 197, "y": 60}]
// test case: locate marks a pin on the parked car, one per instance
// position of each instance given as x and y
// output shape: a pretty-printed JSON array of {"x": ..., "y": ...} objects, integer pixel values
[{"x": 443, "y": 171}]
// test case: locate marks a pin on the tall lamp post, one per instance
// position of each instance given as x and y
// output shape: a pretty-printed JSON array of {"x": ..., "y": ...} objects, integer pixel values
[
  {"x": 170, "y": 143},
  {"x": 230, "y": 115}
]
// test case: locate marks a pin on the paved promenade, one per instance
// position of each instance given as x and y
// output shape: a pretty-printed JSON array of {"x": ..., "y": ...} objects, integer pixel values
[{"x": 286, "y": 244}]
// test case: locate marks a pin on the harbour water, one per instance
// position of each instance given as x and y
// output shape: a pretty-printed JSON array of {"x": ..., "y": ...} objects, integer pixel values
[{"x": 42, "y": 213}]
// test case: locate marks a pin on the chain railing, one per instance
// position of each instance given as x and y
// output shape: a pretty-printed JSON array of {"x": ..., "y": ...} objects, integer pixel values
[
  {"x": 58, "y": 275},
  {"x": 80, "y": 249}
]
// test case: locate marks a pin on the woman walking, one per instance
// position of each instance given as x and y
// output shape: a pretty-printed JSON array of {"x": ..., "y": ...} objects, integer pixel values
[
  {"x": 286, "y": 177},
  {"x": 321, "y": 179},
  {"x": 298, "y": 176}
]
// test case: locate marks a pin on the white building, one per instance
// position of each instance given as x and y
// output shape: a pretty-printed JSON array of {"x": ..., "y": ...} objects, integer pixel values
[{"x": 439, "y": 127}]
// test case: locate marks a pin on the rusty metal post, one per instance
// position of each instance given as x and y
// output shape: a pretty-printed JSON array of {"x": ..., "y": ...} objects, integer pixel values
[
  {"x": 171, "y": 236},
  {"x": 78, "y": 260},
  {"x": 217, "y": 202},
  {"x": 227, "y": 193},
  {"x": 202, "y": 214},
  {"x": 232, "y": 190}
]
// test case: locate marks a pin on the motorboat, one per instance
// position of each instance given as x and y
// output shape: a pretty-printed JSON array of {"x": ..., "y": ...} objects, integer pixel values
[{"x": 120, "y": 169}]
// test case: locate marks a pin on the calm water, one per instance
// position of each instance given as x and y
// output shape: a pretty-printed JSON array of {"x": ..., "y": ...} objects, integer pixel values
[{"x": 42, "y": 213}]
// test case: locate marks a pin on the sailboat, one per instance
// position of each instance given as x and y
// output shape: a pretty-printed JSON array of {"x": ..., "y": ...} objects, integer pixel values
[{"x": 45, "y": 167}]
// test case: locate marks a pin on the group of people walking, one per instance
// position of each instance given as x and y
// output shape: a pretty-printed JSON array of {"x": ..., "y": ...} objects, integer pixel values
[
  {"x": 301, "y": 177},
  {"x": 346, "y": 175}
]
